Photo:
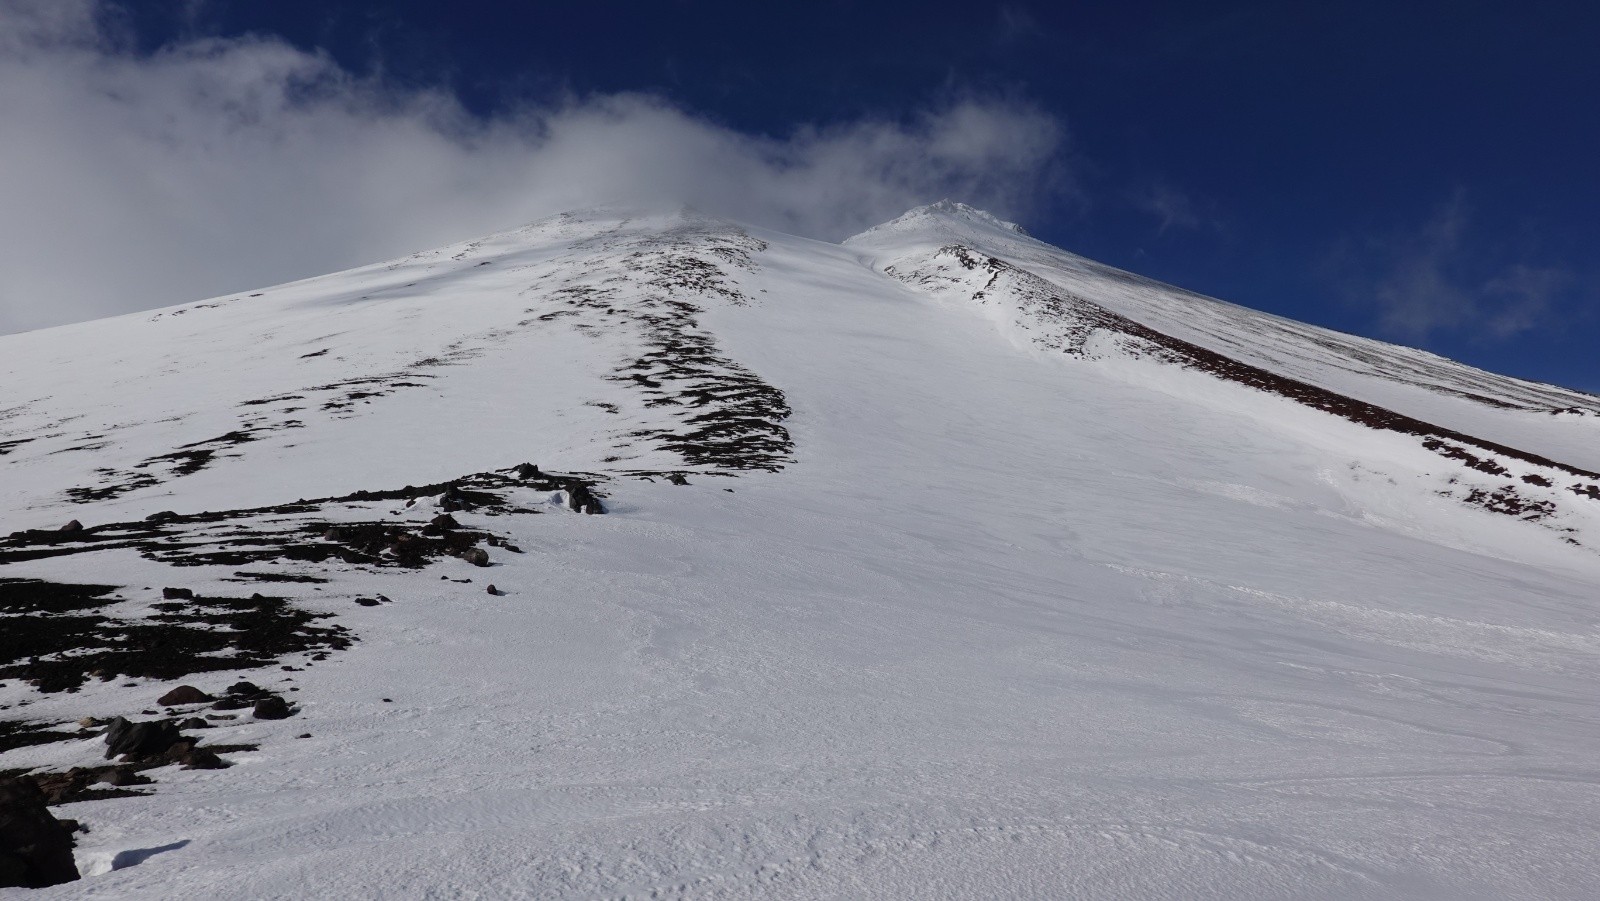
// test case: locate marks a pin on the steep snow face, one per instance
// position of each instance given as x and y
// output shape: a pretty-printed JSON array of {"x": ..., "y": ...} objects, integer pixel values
[
  {"x": 1506, "y": 445},
  {"x": 994, "y": 573},
  {"x": 1538, "y": 418}
]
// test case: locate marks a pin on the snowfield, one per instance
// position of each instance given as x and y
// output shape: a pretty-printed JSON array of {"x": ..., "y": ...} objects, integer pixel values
[{"x": 996, "y": 573}]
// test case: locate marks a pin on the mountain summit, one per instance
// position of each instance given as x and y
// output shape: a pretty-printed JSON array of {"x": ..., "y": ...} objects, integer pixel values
[
  {"x": 644, "y": 553},
  {"x": 946, "y": 216}
]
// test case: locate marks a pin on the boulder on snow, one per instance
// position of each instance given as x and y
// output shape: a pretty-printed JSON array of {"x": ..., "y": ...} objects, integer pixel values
[
  {"x": 444, "y": 521},
  {"x": 528, "y": 471},
  {"x": 140, "y": 739},
  {"x": 454, "y": 499},
  {"x": 477, "y": 556},
  {"x": 183, "y": 694},
  {"x": 35, "y": 848},
  {"x": 495, "y": 591},
  {"x": 115, "y": 775},
  {"x": 272, "y": 708},
  {"x": 177, "y": 594},
  {"x": 581, "y": 500},
  {"x": 72, "y": 526},
  {"x": 201, "y": 759}
]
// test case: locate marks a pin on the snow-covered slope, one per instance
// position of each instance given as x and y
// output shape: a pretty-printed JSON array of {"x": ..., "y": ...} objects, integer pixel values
[
  {"x": 1529, "y": 415},
  {"x": 940, "y": 563}
]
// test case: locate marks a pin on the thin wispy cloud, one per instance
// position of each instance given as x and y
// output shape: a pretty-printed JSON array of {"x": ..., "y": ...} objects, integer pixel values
[
  {"x": 1525, "y": 296},
  {"x": 1015, "y": 25},
  {"x": 1171, "y": 208},
  {"x": 130, "y": 180},
  {"x": 1431, "y": 280}
]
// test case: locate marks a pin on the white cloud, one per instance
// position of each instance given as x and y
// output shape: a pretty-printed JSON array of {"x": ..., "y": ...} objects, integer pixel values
[{"x": 136, "y": 180}]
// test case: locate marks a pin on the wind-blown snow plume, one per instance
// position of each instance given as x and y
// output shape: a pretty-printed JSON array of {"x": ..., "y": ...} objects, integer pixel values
[{"x": 130, "y": 180}]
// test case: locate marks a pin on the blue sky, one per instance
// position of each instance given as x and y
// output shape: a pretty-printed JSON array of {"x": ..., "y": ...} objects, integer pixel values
[{"x": 1421, "y": 172}]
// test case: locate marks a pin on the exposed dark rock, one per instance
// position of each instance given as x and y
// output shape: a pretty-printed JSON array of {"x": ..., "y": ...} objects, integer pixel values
[
  {"x": 677, "y": 478},
  {"x": 279, "y": 577},
  {"x": 17, "y": 734},
  {"x": 75, "y": 784},
  {"x": 495, "y": 591},
  {"x": 81, "y": 637},
  {"x": 201, "y": 759},
  {"x": 237, "y": 537},
  {"x": 85, "y": 783},
  {"x": 35, "y": 848},
  {"x": 272, "y": 708},
  {"x": 1506, "y": 500},
  {"x": 141, "y": 739},
  {"x": 232, "y": 749},
  {"x": 1467, "y": 458},
  {"x": 455, "y": 499},
  {"x": 582, "y": 500},
  {"x": 183, "y": 694},
  {"x": 72, "y": 526},
  {"x": 36, "y": 596},
  {"x": 367, "y": 602},
  {"x": 57, "y": 652},
  {"x": 528, "y": 471},
  {"x": 116, "y": 775}
]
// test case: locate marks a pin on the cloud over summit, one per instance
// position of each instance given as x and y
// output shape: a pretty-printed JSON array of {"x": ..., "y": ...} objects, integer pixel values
[{"x": 131, "y": 180}]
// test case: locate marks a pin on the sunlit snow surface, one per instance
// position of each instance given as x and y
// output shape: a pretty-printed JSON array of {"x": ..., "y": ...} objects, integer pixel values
[{"x": 987, "y": 619}]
